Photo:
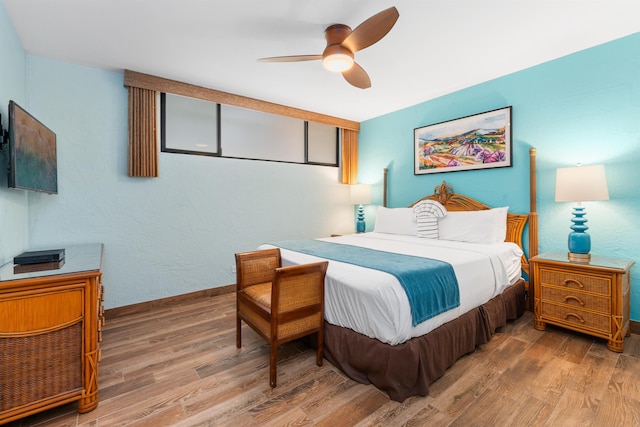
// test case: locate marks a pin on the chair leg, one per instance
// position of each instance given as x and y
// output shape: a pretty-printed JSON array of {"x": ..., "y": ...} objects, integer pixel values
[
  {"x": 273, "y": 361},
  {"x": 319, "y": 352},
  {"x": 238, "y": 332}
]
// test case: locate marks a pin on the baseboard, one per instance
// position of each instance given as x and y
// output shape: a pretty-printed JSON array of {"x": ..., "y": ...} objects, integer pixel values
[
  {"x": 142, "y": 307},
  {"x": 634, "y": 327}
]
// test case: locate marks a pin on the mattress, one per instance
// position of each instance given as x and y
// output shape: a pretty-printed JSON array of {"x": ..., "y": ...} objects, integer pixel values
[{"x": 373, "y": 303}]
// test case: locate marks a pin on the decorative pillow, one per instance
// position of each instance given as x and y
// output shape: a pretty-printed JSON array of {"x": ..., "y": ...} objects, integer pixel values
[
  {"x": 486, "y": 226},
  {"x": 395, "y": 221},
  {"x": 427, "y": 214}
]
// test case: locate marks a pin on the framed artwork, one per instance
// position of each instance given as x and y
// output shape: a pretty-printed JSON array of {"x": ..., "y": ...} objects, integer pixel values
[{"x": 480, "y": 141}]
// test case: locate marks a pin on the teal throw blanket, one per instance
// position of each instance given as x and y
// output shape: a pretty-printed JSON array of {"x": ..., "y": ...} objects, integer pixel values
[{"x": 431, "y": 285}]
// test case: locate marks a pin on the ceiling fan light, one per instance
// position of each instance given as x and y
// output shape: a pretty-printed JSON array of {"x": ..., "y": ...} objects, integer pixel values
[{"x": 337, "y": 62}]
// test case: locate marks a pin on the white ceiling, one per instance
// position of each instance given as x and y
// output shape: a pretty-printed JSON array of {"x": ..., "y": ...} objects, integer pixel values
[{"x": 435, "y": 48}]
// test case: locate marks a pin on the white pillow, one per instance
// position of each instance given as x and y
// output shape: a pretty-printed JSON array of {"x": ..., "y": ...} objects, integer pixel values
[
  {"x": 501, "y": 218},
  {"x": 486, "y": 226},
  {"x": 395, "y": 221}
]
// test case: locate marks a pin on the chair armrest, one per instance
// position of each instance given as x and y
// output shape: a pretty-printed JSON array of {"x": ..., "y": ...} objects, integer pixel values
[{"x": 298, "y": 286}]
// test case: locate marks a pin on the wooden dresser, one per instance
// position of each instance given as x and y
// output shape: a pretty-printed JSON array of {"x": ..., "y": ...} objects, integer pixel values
[
  {"x": 592, "y": 297},
  {"x": 50, "y": 328}
]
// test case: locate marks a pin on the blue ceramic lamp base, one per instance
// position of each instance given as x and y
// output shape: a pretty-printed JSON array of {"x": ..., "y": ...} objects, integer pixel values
[
  {"x": 579, "y": 239},
  {"x": 360, "y": 224}
]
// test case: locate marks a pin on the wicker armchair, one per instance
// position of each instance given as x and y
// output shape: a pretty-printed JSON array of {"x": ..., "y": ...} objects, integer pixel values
[{"x": 280, "y": 303}]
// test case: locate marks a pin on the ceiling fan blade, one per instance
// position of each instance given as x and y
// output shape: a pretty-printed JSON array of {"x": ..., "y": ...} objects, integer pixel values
[
  {"x": 371, "y": 30},
  {"x": 293, "y": 58},
  {"x": 357, "y": 76}
]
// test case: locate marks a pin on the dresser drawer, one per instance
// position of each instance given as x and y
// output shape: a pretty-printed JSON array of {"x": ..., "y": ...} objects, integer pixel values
[
  {"x": 579, "y": 319},
  {"x": 570, "y": 280},
  {"x": 577, "y": 299},
  {"x": 36, "y": 313}
]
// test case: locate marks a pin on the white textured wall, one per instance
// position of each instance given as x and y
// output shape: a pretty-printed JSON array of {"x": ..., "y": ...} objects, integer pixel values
[
  {"x": 173, "y": 234},
  {"x": 13, "y": 203}
]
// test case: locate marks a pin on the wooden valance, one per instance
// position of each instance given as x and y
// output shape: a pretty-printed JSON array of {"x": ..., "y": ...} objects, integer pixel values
[{"x": 159, "y": 84}]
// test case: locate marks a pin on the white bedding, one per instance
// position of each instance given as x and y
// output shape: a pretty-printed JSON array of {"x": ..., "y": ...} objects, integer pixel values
[{"x": 374, "y": 303}]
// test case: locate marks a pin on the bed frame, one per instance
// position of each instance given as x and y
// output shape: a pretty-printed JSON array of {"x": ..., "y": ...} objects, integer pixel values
[{"x": 409, "y": 368}]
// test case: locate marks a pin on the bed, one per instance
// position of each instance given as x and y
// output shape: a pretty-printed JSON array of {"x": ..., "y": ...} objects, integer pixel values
[{"x": 371, "y": 332}]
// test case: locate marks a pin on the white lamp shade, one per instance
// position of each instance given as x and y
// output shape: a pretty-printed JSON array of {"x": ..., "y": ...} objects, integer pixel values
[
  {"x": 360, "y": 194},
  {"x": 581, "y": 184}
]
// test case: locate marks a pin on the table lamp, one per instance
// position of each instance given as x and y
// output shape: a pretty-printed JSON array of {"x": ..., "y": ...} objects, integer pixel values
[
  {"x": 360, "y": 195},
  {"x": 580, "y": 184}
]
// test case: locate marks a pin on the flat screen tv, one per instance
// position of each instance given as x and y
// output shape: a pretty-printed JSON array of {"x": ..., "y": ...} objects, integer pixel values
[{"x": 32, "y": 153}]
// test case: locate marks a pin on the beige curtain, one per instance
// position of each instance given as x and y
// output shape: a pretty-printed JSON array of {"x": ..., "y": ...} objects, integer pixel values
[
  {"x": 143, "y": 133},
  {"x": 349, "y": 156}
]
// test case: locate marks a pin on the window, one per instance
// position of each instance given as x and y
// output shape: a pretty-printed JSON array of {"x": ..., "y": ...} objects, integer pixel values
[
  {"x": 193, "y": 126},
  {"x": 322, "y": 144},
  {"x": 253, "y": 134},
  {"x": 189, "y": 125}
]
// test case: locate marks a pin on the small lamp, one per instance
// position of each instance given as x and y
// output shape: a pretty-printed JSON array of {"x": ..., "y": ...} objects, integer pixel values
[
  {"x": 580, "y": 184},
  {"x": 360, "y": 195},
  {"x": 337, "y": 58}
]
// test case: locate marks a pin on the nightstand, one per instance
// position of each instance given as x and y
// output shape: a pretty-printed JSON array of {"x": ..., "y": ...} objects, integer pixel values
[{"x": 590, "y": 297}]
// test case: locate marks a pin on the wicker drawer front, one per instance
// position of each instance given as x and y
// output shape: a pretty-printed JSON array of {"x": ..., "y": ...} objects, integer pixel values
[
  {"x": 38, "y": 367},
  {"x": 583, "y": 282},
  {"x": 577, "y": 318},
  {"x": 577, "y": 299}
]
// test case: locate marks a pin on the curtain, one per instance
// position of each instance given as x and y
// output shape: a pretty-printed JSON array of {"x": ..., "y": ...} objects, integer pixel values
[
  {"x": 349, "y": 156},
  {"x": 143, "y": 133}
]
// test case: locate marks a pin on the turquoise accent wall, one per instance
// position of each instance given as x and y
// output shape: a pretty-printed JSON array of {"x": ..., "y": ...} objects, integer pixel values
[{"x": 584, "y": 107}]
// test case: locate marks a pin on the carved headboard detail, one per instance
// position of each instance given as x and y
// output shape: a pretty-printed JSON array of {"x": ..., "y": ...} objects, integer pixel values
[{"x": 516, "y": 223}]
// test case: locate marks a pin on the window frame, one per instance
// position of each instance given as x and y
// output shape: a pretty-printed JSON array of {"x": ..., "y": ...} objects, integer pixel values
[{"x": 220, "y": 146}]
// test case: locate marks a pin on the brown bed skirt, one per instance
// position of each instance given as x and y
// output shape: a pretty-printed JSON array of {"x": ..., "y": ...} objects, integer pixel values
[{"x": 409, "y": 368}]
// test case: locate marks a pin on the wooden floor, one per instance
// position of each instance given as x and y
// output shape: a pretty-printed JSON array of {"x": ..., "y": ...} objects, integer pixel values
[{"x": 178, "y": 366}]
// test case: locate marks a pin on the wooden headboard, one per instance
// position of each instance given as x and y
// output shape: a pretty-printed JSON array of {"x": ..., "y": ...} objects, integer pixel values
[
  {"x": 516, "y": 223},
  {"x": 457, "y": 202}
]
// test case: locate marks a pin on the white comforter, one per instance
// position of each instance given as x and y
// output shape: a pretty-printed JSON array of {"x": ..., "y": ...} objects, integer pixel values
[{"x": 374, "y": 303}]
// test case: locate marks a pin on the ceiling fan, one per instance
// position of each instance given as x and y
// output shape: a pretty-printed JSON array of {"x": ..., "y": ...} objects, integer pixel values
[{"x": 342, "y": 43}]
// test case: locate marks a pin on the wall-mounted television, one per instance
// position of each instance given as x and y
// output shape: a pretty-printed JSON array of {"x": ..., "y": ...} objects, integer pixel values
[{"x": 32, "y": 153}]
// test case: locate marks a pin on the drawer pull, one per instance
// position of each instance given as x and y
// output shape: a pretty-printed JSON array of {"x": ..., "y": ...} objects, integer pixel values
[
  {"x": 577, "y": 316},
  {"x": 566, "y": 282},
  {"x": 573, "y": 297}
]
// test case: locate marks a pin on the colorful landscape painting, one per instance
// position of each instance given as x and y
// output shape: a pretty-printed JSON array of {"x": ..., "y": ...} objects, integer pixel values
[{"x": 480, "y": 141}]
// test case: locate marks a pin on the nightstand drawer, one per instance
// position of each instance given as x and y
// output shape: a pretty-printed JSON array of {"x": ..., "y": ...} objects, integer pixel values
[
  {"x": 581, "y": 319},
  {"x": 569, "y": 280},
  {"x": 577, "y": 299}
]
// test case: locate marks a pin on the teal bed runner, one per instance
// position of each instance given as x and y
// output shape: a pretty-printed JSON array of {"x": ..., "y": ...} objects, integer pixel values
[{"x": 431, "y": 285}]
